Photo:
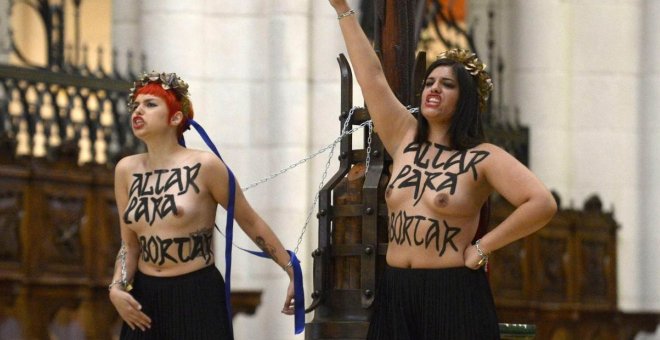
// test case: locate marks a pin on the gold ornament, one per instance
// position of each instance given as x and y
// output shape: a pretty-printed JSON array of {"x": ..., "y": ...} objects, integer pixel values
[
  {"x": 169, "y": 81},
  {"x": 476, "y": 68}
]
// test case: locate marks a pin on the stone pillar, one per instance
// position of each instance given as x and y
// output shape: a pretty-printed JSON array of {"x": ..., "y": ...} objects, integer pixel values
[
  {"x": 280, "y": 117},
  {"x": 539, "y": 61},
  {"x": 326, "y": 44},
  {"x": 503, "y": 102},
  {"x": 126, "y": 35},
  {"x": 587, "y": 136},
  {"x": 4, "y": 32},
  {"x": 604, "y": 138},
  {"x": 649, "y": 160}
]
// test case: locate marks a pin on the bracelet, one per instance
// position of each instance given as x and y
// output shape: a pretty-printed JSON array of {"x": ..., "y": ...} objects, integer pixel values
[
  {"x": 123, "y": 285},
  {"x": 345, "y": 14},
  {"x": 288, "y": 265},
  {"x": 484, "y": 256}
]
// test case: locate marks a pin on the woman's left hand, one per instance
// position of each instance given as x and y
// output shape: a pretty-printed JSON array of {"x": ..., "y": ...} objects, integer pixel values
[{"x": 288, "y": 308}]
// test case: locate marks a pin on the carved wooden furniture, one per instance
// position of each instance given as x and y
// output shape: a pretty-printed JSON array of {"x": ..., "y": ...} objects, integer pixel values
[
  {"x": 60, "y": 236},
  {"x": 563, "y": 278}
]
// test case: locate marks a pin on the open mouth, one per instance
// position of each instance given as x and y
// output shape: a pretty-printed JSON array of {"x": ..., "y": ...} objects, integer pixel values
[
  {"x": 138, "y": 122},
  {"x": 432, "y": 100}
]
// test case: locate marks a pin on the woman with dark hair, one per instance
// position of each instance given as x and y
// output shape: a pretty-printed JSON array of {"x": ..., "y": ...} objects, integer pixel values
[
  {"x": 166, "y": 284},
  {"x": 434, "y": 285},
  {"x": 466, "y": 129}
]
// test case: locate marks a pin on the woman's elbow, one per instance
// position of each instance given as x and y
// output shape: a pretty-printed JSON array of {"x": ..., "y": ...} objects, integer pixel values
[{"x": 548, "y": 207}]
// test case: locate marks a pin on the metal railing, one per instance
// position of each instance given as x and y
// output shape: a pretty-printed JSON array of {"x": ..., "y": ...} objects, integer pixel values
[{"x": 48, "y": 114}]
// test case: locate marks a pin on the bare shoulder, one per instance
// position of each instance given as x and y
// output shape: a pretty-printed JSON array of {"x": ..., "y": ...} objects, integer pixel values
[
  {"x": 207, "y": 158},
  {"x": 495, "y": 153},
  {"x": 489, "y": 147},
  {"x": 129, "y": 163},
  {"x": 495, "y": 161},
  {"x": 500, "y": 164},
  {"x": 211, "y": 165}
]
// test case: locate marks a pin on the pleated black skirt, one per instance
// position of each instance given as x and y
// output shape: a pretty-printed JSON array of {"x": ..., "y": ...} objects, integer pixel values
[
  {"x": 190, "y": 306},
  {"x": 433, "y": 304}
]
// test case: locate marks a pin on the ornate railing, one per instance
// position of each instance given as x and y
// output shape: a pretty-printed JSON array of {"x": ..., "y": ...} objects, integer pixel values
[
  {"x": 45, "y": 114},
  {"x": 68, "y": 106}
]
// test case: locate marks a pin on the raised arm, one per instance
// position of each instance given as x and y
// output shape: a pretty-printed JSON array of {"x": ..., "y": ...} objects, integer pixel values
[
  {"x": 128, "y": 308},
  {"x": 390, "y": 117}
]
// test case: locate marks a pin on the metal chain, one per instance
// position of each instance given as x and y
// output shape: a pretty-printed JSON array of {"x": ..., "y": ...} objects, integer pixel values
[
  {"x": 315, "y": 200},
  {"x": 325, "y": 173},
  {"x": 368, "y": 156},
  {"x": 313, "y": 155},
  {"x": 331, "y": 147}
]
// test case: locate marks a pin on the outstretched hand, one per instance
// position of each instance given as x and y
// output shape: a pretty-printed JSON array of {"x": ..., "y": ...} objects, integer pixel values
[
  {"x": 129, "y": 309},
  {"x": 289, "y": 306}
]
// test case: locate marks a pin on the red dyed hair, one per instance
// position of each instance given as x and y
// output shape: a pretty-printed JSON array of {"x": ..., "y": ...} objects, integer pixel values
[{"x": 173, "y": 101}]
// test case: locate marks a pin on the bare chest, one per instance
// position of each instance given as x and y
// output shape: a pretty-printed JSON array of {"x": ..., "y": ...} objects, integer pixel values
[
  {"x": 163, "y": 196},
  {"x": 438, "y": 181}
]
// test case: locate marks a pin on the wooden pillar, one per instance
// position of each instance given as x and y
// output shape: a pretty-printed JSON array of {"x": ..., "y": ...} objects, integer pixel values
[
  {"x": 395, "y": 41},
  {"x": 352, "y": 211}
]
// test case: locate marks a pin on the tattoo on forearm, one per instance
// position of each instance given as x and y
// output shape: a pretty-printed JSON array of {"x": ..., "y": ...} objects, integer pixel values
[
  {"x": 433, "y": 174},
  {"x": 157, "y": 250},
  {"x": 439, "y": 234},
  {"x": 267, "y": 248},
  {"x": 150, "y": 202},
  {"x": 121, "y": 257}
]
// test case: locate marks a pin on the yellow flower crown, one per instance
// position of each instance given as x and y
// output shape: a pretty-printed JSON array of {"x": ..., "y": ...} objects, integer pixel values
[
  {"x": 169, "y": 81},
  {"x": 476, "y": 68}
]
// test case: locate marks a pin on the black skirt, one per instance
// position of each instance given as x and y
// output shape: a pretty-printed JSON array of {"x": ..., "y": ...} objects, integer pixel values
[
  {"x": 190, "y": 306},
  {"x": 432, "y": 304}
]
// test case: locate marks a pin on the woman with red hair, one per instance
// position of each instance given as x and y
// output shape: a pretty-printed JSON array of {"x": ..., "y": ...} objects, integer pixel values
[{"x": 166, "y": 284}]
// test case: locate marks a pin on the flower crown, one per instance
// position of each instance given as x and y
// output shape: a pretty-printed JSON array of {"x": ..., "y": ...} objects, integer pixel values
[
  {"x": 169, "y": 81},
  {"x": 476, "y": 68}
]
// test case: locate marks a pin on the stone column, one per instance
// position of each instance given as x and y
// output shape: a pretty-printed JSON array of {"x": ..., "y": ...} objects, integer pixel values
[
  {"x": 4, "y": 32},
  {"x": 504, "y": 105},
  {"x": 538, "y": 49},
  {"x": 326, "y": 43},
  {"x": 279, "y": 119},
  {"x": 126, "y": 35},
  {"x": 569, "y": 65},
  {"x": 604, "y": 106},
  {"x": 649, "y": 161}
]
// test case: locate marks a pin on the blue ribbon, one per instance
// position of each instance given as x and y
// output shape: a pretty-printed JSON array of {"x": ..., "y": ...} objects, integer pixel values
[{"x": 299, "y": 294}]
